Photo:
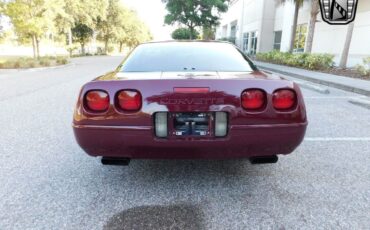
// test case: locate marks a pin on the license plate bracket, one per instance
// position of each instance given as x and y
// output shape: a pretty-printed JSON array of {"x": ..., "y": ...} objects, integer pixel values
[{"x": 197, "y": 124}]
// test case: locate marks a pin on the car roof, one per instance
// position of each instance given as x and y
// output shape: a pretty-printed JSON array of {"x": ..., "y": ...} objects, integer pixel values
[{"x": 189, "y": 41}]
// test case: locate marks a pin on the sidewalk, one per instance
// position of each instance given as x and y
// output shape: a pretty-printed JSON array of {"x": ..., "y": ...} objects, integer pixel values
[{"x": 344, "y": 83}]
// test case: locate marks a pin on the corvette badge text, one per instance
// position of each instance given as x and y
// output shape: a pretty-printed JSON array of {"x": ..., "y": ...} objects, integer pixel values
[{"x": 192, "y": 101}]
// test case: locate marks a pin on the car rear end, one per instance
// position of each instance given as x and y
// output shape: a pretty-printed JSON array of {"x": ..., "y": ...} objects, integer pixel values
[
  {"x": 171, "y": 114},
  {"x": 187, "y": 119}
]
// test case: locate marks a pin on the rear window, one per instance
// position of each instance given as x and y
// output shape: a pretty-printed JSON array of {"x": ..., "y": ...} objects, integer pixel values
[{"x": 186, "y": 56}]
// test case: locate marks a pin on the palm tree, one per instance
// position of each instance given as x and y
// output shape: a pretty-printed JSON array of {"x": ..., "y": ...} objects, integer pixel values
[
  {"x": 297, "y": 5},
  {"x": 347, "y": 44},
  {"x": 315, "y": 9}
]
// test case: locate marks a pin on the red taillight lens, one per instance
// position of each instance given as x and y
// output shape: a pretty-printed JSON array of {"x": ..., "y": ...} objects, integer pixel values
[
  {"x": 253, "y": 99},
  {"x": 97, "y": 101},
  {"x": 129, "y": 100},
  {"x": 284, "y": 99}
]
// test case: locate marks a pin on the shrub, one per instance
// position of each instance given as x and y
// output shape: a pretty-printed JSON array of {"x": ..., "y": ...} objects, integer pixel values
[
  {"x": 16, "y": 64},
  {"x": 184, "y": 34},
  {"x": 298, "y": 60},
  {"x": 364, "y": 69},
  {"x": 319, "y": 61},
  {"x": 48, "y": 57},
  {"x": 32, "y": 64},
  {"x": 110, "y": 49},
  {"x": 228, "y": 39},
  {"x": 302, "y": 60},
  {"x": 44, "y": 61},
  {"x": 61, "y": 60},
  {"x": 28, "y": 62},
  {"x": 71, "y": 49}
]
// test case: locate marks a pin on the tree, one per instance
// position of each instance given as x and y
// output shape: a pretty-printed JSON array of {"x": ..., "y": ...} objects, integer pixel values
[
  {"x": 133, "y": 31},
  {"x": 315, "y": 9},
  {"x": 139, "y": 35},
  {"x": 81, "y": 17},
  {"x": 209, "y": 33},
  {"x": 82, "y": 34},
  {"x": 347, "y": 45},
  {"x": 134, "y": 35},
  {"x": 115, "y": 18},
  {"x": 2, "y": 9},
  {"x": 194, "y": 13},
  {"x": 80, "y": 12},
  {"x": 297, "y": 5},
  {"x": 31, "y": 19},
  {"x": 183, "y": 34}
]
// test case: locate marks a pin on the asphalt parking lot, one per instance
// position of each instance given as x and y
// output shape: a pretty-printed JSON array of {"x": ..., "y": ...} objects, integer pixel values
[{"x": 48, "y": 182}]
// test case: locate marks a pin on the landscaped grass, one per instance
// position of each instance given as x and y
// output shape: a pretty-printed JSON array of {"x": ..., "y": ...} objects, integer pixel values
[
  {"x": 317, "y": 62},
  {"x": 12, "y": 62},
  {"x": 3, "y": 59}
]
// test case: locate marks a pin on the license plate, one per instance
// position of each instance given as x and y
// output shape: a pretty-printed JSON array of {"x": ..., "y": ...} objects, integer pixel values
[{"x": 192, "y": 124}]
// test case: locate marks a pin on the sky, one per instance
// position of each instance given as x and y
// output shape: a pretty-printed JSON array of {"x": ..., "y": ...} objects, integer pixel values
[{"x": 152, "y": 12}]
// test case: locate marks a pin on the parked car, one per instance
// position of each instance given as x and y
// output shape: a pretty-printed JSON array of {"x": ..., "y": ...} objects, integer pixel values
[{"x": 189, "y": 99}]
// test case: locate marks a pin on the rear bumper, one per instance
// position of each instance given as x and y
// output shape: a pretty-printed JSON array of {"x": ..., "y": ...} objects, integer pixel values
[{"x": 140, "y": 142}]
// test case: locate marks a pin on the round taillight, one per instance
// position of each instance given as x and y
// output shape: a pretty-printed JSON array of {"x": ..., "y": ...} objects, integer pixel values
[
  {"x": 97, "y": 101},
  {"x": 284, "y": 99},
  {"x": 253, "y": 99},
  {"x": 129, "y": 100}
]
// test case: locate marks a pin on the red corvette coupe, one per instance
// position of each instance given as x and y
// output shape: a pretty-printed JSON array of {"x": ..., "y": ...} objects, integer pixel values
[{"x": 189, "y": 99}]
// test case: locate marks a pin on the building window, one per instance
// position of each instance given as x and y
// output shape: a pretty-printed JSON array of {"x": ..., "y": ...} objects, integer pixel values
[
  {"x": 233, "y": 27},
  {"x": 224, "y": 31},
  {"x": 233, "y": 31},
  {"x": 300, "y": 38},
  {"x": 245, "y": 42},
  {"x": 254, "y": 40},
  {"x": 277, "y": 40}
]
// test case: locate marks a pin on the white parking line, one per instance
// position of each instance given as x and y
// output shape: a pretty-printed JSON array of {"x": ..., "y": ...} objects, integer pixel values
[
  {"x": 334, "y": 97},
  {"x": 337, "y": 139}
]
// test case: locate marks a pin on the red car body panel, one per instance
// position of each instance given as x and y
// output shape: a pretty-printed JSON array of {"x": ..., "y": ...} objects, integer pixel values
[{"x": 115, "y": 133}]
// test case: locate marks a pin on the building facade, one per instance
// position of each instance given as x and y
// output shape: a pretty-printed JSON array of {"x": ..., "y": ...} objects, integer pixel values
[{"x": 264, "y": 25}]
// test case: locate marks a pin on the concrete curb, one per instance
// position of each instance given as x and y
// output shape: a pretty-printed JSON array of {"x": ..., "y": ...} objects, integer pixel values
[
  {"x": 303, "y": 84},
  {"x": 322, "y": 82},
  {"x": 35, "y": 69},
  {"x": 319, "y": 89},
  {"x": 360, "y": 102}
]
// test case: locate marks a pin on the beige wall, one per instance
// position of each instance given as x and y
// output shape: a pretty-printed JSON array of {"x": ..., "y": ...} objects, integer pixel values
[
  {"x": 265, "y": 16},
  {"x": 233, "y": 14},
  {"x": 265, "y": 43},
  {"x": 252, "y": 15},
  {"x": 330, "y": 38}
]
